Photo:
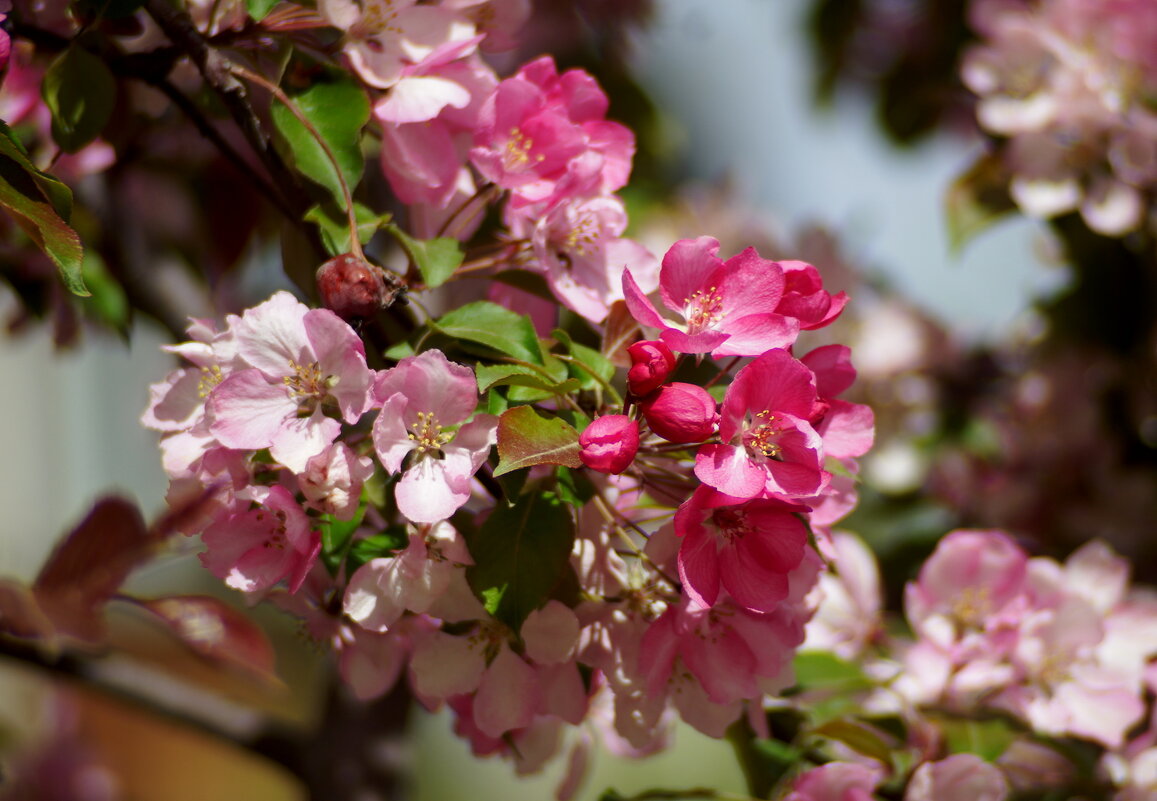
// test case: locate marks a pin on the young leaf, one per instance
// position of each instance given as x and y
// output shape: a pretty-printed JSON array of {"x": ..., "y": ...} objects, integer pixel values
[
  {"x": 338, "y": 111},
  {"x": 494, "y": 326},
  {"x": 80, "y": 91},
  {"x": 436, "y": 259},
  {"x": 335, "y": 536},
  {"x": 386, "y": 543},
  {"x": 38, "y": 203},
  {"x": 258, "y": 9},
  {"x": 859, "y": 736},
  {"x": 216, "y": 631},
  {"x": 527, "y": 438},
  {"x": 977, "y": 199},
  {"x": 589, "y": 366},
  {"x": 520, "y": 553},
  {"x": 334, "y": 225}
]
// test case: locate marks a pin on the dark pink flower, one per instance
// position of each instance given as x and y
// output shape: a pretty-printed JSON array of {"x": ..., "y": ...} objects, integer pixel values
[
  {"x": 747, "y": 547},
  {"x": 680, "y": 412},
  {"x": 727, "y": 308},
  {"x": 651, "y": 362},
  {"x": 609, "y": 443},
  {"x": 805, "y": 298},
  {"x": 768, "y": 448}
]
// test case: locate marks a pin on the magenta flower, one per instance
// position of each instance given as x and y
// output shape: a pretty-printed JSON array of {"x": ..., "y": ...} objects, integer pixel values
[
  {"x": 680, "y": 412},
  {"x": 728, "y": 308},
  {"x": 805, "y": 298},
  {"x": 768, "y": 447},
  {"x": 303, "y": 363},
  {"x": 747, "y": 547},
  {"x": 609, "y": 444},
  {"x": 425, "y": 401},
  {"x": 257, "y": 548}
]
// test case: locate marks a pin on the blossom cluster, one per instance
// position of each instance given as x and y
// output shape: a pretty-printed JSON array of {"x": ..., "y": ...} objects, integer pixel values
[
  {"x": 1067, "y": 86},
  {"x": 533, "y": 539},
  {"x": 1064, "y": 650}
]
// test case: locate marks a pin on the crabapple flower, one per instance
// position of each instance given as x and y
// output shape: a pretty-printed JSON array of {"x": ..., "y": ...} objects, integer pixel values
[
  {"x": 255, "y": 549},
  {"x": 609, "y": 443},
  {"x": 332, "y": 481},
  {"x": 960, "y": 777},
  {"x": 680, "y": 412},
  {"x": 837, "y": 781},
  {"x": 804, "y": 297},
  {"x": 749, "y": 547},
  {"x": 651, "y": 362},
  {"x": 424, "y": 400},
  {"x": 729, "y": 308},
  {"x": 768, "y": 447},
  {"x": 539, "y": 123},
  {"x": 302, "y": 363}
]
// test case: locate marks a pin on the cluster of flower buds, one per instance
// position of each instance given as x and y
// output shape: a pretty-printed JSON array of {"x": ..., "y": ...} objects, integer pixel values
[{"x": 1069, "y": 84}]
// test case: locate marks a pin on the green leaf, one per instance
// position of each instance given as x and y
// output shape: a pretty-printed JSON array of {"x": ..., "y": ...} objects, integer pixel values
[
  {"x": 589, "y": 366},
  {"x": 859, "y": 736},
  {"x": 988, "y": 739},
  {"x": 977, "y": 199},
  {"x": 80, "y": 91},
  {"x": 527, "y": 438},
  {"x": 575, "y": 488},
  {"x": 516, "y": 375},
  {"x": 338, "y": 111},
  {"x": 333, "y": 223},
  {"x": 35, "y": 201},
  {"x": 520, "y": 553},
  {"x": 335, "y": 536},
  {"x": 823, "y": 670},
  {"x": 494, "y": 326},
  {"x": 108, "y": 302},
  {"x": 386, "y": 543},
  {"x": 258, "y": 9},
  {"x": 436, "y": 259}
]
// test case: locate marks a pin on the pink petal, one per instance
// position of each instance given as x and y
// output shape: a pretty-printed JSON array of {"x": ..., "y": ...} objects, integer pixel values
[
  {"x": 688, "y": 266},
  {"x": 507, "y": 696}
]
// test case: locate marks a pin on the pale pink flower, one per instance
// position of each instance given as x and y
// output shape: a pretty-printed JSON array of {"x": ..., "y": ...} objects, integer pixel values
[
  {"x": 960, "y": 777},
  {"x": 849, "y": 613},
  {"x": 747, "y": 547},
  {"x": 768, "y": 448},
  {"x": 383, "y": 589},
  {"x": 332, "y": 481},
  {"x": 426, "y": 400},
  {"x": 255, "y": 549},
  {"x": 727, "y": 308},
  {"x": 303, "y": 363},
  {"x": 837, "y": 781}
]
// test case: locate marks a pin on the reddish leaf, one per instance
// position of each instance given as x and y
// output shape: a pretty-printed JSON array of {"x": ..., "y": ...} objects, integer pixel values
[
  {"x": 90, "y": 565},
  {"x": 619, "y": 331},
  {"x": 216, "y": 631},
  {"x": 527, "y": 438}
]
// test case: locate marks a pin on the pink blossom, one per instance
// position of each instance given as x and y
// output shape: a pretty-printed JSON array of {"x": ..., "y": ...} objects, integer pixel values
[
  {"x": 539, "y": 123},
  {"x": 255, "y": 549},
  {"x": 768, "y": 448},
  {"x": 609, "y": 443},
  {"x": 960, "y": 777},
  {"x": 332, "y": 481},
  {"x": 303, "y": 363},
  {"x": 680, "y": 412},
  {"x": 424, "y": 399},
  {"x": 804, "y": 297},
  {"x": 837, "y": 781},
  {"x": 746, "y": 546},
  {"x": 651, "y": 362},
  {"x": 849, "y": 613},
  {"x": 727, "y": 308}
]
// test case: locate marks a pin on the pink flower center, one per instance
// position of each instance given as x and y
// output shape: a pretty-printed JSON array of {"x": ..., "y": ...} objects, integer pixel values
[
  {"x": 516, "y": 154},
  {"x": 582, "y": 238},
  {"x": 307, "y": 386},
  {"x": 427, "y": 434},
  {"x": 276, "y": 539},
  {"x": 761, "y": 439},
  {"x": 731, "y": 523},
  {"x": 210, "y": 378},
  {"x": 377, "y": 18},
  {"x": 972, "y": 606},
  {"x": 702, "y": 310}
]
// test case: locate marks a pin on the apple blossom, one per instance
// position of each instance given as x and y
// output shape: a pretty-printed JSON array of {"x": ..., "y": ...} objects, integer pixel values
[{"x": 609, "y": 443}]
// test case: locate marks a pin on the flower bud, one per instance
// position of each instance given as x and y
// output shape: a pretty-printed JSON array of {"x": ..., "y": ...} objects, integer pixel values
[
  {"x": 651, "y": 362},
  {"x": 680, "y": 412},
  {"x": 354, "y": 289},
  {"x": 609, "y": 443}
]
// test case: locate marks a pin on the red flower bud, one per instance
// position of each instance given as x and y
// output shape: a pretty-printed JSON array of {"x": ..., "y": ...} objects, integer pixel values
[
  {"x": 680, "y": 412},
  {"x": 651, "y": 362},
  {"x": 354, "y": 289},
  {"x": 609, "y": 443}
]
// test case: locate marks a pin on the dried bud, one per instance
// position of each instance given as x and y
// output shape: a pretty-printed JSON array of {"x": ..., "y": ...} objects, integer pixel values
[
  {"x": 651, "y": 362},
  {"x": 609, "y": 443},
  {"x": 680, "y": 412},
  {"x": 354, "y": 289}
]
